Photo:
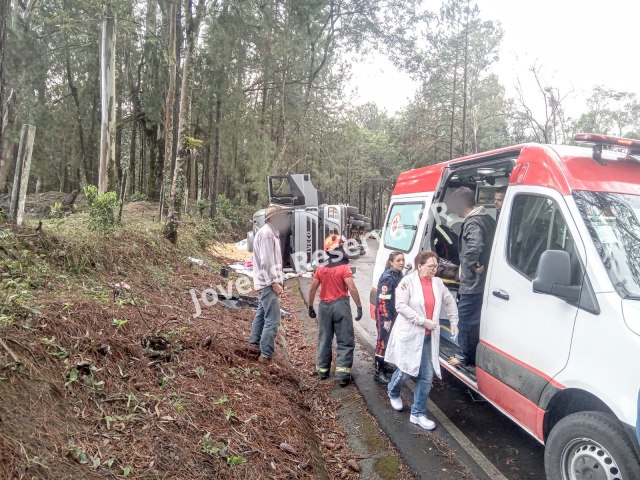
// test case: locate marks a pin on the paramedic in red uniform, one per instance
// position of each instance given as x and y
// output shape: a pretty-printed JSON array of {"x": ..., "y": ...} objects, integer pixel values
[
  {"x": 476, "y": 238},
  {"x": 414, "y": 345},
  {"x": 335, "y": 281},
  {"x": 386, "y": 311}
]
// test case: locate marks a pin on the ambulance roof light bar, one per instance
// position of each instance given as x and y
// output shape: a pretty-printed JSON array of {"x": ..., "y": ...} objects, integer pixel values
[{"x": 600, "y": 141}]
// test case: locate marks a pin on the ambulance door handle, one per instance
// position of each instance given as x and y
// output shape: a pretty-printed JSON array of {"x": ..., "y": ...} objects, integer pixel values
[{"x": 501, "y": 294}]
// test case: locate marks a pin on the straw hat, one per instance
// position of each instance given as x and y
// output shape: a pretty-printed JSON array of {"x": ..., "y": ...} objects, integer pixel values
[{"x": 275, "y": 209}]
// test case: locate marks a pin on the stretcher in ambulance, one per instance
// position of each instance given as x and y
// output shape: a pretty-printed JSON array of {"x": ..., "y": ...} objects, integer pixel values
[{"x": 559, "y": 348}]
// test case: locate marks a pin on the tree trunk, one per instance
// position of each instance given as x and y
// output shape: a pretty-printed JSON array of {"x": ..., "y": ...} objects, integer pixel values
[
  {"x": 7, "y": 148},
  {"x": 107, "y": 91},
  {"x": 21, "y": 177},
  {"x": 193, "y": 25},
  {"x": 170, "y": 100},
  {"x": 148, "y": 132},
  {"x": 193, "y": 175},
  {"x": 465, "y": 88},
  {"x": 453, "y": 103},
  {"x": 118, "y": 149},
  {"x": 76, "y": 100},
  {"x": 5, "y": 5},
  {"x": 135, "y": 100},
  {"x": 94, "y": 146},
  {"x": 213, "y": 178},
  {"x": 143, "y": 156}
]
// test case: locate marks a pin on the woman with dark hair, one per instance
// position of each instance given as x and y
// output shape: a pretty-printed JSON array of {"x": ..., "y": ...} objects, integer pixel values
[
  {"x": 386, "y": 310},
  {"x": 414, "y": 344}
]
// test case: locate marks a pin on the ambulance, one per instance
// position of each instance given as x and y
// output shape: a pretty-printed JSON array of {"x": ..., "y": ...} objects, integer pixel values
[{"x": 559, "y": 348}]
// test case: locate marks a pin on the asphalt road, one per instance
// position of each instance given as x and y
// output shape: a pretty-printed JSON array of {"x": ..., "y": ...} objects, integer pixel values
[{"x": 488, "y": 442}]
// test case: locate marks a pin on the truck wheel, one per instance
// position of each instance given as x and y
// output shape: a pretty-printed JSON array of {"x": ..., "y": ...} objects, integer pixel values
[
  {"x": 359, "y": 216},
  {"x": 357, "y": 223},
  {"x": 590, "y": 445},
  {"x": 351, "y": 211},
  {"x": 250, "y": 236},
  {"x": 367, "y": 226}
]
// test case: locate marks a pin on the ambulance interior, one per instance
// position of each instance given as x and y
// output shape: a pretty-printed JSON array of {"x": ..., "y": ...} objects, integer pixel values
[
  {"x": 484, "y": 180},
  {"x": 443, "y": 232}
]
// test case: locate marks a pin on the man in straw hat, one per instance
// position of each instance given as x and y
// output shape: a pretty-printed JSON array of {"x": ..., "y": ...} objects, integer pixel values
[{"x": 268, "y": 279}]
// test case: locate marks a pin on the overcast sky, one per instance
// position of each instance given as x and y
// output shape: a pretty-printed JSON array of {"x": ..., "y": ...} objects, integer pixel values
[{"x": 579, "y": 44}]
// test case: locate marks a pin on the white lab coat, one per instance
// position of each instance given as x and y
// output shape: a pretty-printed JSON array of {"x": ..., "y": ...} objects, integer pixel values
[{"x": 407, "y": 336}]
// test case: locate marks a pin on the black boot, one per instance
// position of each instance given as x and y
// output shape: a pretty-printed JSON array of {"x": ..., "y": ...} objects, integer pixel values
[
  {"x": 379, "y": 375},
  {"x": 389, "y": 369}
]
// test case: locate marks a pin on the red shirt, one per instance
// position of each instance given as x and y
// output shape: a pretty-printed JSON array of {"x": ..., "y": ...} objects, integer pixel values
[
  {"x": 332, "y": 282},
  {"x": 429, "y": 299}
]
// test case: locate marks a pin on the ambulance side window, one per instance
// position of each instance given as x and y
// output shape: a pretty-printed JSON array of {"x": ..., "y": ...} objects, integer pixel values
[
  {"x": 536, "y": 225},
  {"x": 402, "y": 225}
]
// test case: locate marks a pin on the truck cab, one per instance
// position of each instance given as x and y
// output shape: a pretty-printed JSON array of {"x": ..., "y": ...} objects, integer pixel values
[
  {"x": 312, "y": 220},
  {"x": 559, "y": 348}
]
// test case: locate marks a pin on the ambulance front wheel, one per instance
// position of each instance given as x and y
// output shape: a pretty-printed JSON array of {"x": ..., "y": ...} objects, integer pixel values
[{"x": 590, "y": 445}]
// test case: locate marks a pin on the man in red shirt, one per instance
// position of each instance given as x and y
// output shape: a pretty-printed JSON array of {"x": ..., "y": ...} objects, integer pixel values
[{"x": 335, "y": 280}]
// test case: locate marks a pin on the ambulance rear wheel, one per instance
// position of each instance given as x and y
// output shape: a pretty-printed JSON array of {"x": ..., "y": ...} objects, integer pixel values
[{"x": 590, "y": 446}]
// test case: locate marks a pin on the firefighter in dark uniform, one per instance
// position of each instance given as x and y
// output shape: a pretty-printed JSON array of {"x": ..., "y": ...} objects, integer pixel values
[
  {"x": 335, "y": 281},
  {"x": 386, "y": 310}
]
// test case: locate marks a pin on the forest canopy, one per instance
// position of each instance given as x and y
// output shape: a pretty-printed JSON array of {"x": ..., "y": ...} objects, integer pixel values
[{"x": 210, "y": 96}]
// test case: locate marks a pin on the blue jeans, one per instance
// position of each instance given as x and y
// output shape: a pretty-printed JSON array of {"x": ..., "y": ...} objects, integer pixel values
[
  {"x": 469, "y": 309},
  {"x": 266, "y": 322},
  {"x": 423, "y": 381}
]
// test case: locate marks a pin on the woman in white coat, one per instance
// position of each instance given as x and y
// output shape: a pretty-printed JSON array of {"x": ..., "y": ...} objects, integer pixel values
[{"x": 414, "y": 345}]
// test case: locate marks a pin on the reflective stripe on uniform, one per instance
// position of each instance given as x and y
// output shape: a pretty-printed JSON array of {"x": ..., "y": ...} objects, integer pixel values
[
  {"x": 444, "y": 234},
  {"x": 343, "y": 370},
  {"x": 322, "y": 370}
]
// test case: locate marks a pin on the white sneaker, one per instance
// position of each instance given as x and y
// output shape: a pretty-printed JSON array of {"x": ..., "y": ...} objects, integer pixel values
[
  {"x": 396, "y": 403},
  {"x": 422, "y": 421}
]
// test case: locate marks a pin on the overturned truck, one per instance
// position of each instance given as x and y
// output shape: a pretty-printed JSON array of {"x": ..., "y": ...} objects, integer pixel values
[{"x": 312, "y": 221}]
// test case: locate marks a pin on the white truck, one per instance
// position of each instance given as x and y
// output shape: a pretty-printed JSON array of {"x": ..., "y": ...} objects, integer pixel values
[{"x": 312, "y": 220}]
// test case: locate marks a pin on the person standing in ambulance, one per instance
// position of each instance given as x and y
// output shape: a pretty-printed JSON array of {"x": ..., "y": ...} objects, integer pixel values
[
  {"x": 335, "y": 281},
  {"x": 476, "y": 238},
  {"x": 386, "y": 311},
  {"x": 414, "y": 344}
]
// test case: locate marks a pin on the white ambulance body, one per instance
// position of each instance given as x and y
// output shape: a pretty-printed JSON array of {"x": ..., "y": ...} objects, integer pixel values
[{"x": 559, "y": 345}]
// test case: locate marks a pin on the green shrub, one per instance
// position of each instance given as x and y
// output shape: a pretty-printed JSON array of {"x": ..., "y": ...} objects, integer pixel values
[
  {"x": 202, "y": 206},
  {"x": 137, "y": 197},
  {"x": 103, "y": 209},
  {"x": 233, "y": 216},
  {"x": 204, "y": 233},
  {"x": 19, "y": 278},
  {"x": 55, "y": 211}
]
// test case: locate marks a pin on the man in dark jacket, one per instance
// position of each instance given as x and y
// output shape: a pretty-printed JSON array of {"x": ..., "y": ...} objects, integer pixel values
[{"x": 476, "y": 238}]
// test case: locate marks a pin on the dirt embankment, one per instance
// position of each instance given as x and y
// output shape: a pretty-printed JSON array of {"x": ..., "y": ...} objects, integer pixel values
[{"x": 104, "y": 371}]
